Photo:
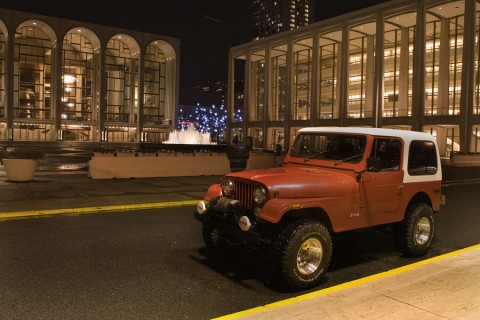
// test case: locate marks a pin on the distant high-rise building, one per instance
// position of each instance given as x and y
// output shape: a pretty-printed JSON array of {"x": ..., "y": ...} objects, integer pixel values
[{"x": 273, "y": 16}]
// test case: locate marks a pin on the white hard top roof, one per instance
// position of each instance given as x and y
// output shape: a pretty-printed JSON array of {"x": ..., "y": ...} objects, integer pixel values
[
  {"x": 403, "y": 134},
  {"x": 406, "y": 136}
]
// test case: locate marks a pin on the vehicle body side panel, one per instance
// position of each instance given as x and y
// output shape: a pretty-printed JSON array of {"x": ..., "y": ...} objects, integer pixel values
[{"x": 343, "y": 212}]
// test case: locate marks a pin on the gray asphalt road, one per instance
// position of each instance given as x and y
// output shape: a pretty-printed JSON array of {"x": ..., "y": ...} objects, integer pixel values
[{"x": 153, "y": 265}]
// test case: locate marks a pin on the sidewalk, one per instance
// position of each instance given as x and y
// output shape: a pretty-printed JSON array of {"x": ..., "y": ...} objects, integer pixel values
[
  {"x": 444, "y": 287},
  {"x": 74, "y": 192}
]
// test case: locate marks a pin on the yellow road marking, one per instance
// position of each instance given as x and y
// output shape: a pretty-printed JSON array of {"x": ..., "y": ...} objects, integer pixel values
[
  {"x": 85, "y": 210},
  {"x": 351, "y": 284}
]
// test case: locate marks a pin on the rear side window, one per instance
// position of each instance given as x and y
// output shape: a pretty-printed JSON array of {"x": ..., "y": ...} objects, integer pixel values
[{"x": 422, "y": 158}]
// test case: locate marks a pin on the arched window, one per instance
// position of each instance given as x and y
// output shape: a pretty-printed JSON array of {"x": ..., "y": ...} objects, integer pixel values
[
  {"x": 32, "y": 90},
  {"x": 79, "y": 98},
  {"x": 121, "y": 73}
]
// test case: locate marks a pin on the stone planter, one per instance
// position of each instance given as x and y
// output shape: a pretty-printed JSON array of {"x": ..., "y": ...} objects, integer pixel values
[{"x": 20, "y": 169}]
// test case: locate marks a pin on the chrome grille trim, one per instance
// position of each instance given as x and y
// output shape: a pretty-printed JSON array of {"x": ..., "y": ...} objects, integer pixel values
[{"x": 243, "y": 191}]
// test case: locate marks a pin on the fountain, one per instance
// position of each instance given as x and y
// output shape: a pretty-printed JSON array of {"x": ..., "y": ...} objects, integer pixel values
[
  {"x": 188, "y": 136},
  {"x": 186, "y": 153}
]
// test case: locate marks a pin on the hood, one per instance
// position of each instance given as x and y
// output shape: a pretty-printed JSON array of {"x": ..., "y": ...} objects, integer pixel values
[{"x": 303, "y": 182}]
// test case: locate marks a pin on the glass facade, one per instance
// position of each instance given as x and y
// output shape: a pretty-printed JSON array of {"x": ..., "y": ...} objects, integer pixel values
[
  {"x": 302, "y": 83},
  {"x": 360, "y": 70},
  {"x": 328, "y": 58},
  {"x": 80, "y": 87},
  {"x": 398, "y": 65},
  {"x": 401, "y": 70},
  {"x": 257, "y": 72},
  {"x": 278, "y": 108}
]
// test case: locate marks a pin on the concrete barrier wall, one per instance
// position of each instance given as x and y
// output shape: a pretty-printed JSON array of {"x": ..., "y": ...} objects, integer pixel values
[
  {"x": 127, "y": 165},
  {"x": 465, "y": 160},
  {"x": 261, "y": 160}
]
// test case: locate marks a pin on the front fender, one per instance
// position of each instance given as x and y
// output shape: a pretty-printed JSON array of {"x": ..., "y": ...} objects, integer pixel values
[
  {"x": 214, "y": 190},
  {"x": 274, "y": 209}
]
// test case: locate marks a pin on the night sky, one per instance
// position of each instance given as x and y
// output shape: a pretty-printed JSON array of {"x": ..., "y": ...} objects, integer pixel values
[{"x": 206, "y": 28}]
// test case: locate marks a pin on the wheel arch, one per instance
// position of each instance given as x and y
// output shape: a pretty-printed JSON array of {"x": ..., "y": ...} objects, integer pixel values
[
  {"x": 314, "y": 213},
  {"x": 420, "y": 197}
]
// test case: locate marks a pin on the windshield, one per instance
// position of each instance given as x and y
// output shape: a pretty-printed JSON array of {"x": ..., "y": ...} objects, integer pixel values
[{"x": 329, "y": 146}]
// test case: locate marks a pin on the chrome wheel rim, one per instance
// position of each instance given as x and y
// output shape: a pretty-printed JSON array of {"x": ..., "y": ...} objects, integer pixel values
[
  {"x": 309, "y": 256},
  {"x": 422, "y": 231}
]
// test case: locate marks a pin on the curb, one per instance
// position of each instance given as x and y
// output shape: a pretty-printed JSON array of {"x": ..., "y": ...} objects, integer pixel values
[
  {"x": 343, "y": 286},
  {"x": 85, "y": 210}
]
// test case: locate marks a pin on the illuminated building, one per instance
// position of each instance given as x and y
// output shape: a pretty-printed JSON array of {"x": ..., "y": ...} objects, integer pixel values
[
  {"x": 274, "y": 16},
  {"x": 407, "y": 64},
  {"x": 65, "y": 80}
]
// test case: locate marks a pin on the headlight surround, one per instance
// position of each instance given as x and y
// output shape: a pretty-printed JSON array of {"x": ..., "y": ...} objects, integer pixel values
[
  {"x": 227, "y": 188},
  {"x": 259, "y": 195}
]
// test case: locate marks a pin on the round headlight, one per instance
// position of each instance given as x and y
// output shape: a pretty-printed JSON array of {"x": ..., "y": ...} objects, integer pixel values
[
  {"x": 260, "y": 195},
  {"x": 227, "y": 187}
]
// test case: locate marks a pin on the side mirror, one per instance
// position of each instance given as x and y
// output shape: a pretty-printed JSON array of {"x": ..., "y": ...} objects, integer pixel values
[
  {"x": 374, "y": 164},
  {"x": 278, "y": 150}
]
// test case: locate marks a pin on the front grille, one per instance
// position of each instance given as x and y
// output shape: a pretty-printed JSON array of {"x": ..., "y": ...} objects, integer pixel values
[{"x": 244, "y": 192}]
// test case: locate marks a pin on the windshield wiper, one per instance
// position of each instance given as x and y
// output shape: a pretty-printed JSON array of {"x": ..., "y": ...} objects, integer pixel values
[
  {"x": 349, "y": 158},
  {"x": 313, "y": 156}
]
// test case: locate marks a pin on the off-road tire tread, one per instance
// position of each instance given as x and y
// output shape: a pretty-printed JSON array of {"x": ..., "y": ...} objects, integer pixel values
[
  {"x": 403, "y": 230},
  {"x": 281, "y": 248}
]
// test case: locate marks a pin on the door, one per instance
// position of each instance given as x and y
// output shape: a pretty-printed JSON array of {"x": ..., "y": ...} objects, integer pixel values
[{"x": 383, "y": 190}]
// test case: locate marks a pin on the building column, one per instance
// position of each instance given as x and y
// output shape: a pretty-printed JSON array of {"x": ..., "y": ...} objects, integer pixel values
[
  {"x": 369, "y": 107},
  {"x": 131, "y": 107},
  {"x": 139, "y": 137},
  {"x": 96, "y": 132},
  {"x": 289, "y": 94},
  {"x": 378, "y": 88},
  {"x": 247, "y": 89},
  {"x": 418, "y": 80},
  {"x": 9, "y": 85},
  {"x": 342, "y": 83},
  {"x": 403, "y": 73},
  {"x": 57, "y": 88},
  {"x": 267, "y": 104},
  {"x": 468, "y": 76},
  {"x": 102, "y": 97},
  {"x": 314, "y": 100},
  {"x": 443, "y": 68},
  {"x": 230, "y": 97}
]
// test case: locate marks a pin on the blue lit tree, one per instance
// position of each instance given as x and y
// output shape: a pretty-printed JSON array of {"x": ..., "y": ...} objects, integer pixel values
[{"x": 211, "y": 120}]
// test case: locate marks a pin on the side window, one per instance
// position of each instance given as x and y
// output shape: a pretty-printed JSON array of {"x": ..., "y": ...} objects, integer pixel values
[
  {"x": 389, "y": 151},
  {"x": 422, "y": 158}
]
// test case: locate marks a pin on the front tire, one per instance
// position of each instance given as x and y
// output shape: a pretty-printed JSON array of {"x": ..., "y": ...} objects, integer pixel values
[
  {"x": 414, "y": 235},
  {"x": 302, "y": 254}
]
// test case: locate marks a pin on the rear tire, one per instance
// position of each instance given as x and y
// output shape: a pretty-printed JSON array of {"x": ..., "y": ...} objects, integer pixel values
[
  {"x": 302, "y": 253},
  {"x": 414, "y": 235}
]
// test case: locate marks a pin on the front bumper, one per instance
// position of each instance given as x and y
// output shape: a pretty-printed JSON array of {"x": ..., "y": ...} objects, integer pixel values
[{"x": 231, "y": 217}]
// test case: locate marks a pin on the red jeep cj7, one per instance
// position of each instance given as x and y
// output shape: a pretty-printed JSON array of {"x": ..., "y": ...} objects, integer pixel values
[{"x": 332, "y": 180}]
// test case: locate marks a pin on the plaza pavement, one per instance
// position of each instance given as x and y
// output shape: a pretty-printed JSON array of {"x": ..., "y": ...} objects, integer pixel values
[{"x": 444, "y": 287}]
